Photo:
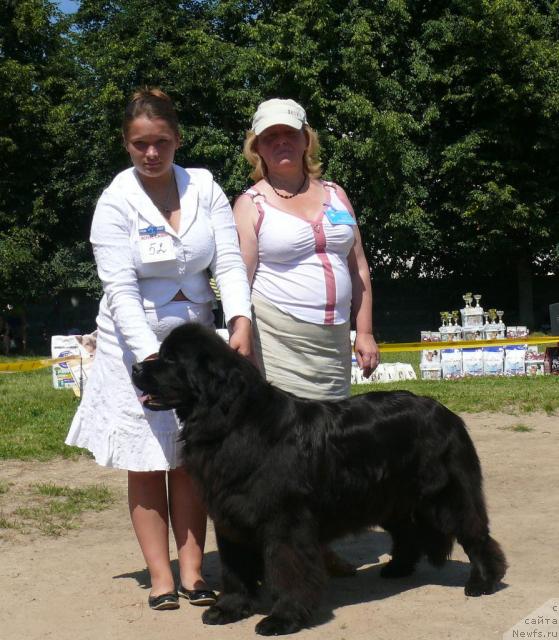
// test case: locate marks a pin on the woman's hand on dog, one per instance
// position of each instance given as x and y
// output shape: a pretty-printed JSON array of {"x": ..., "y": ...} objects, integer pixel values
[
  {"x": 240, "y": 338},
  {"x": 367, "y": 353}
]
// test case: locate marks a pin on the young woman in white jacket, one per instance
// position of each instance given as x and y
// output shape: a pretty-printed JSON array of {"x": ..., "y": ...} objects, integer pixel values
[{"x": 156, "y": 230}]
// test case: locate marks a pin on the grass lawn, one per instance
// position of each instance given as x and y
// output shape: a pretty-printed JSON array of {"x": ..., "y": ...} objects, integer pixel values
[
  {"x": 474, "y": 395},
  {"x": 34, "y": 417},
  {"x": 49, "y": 509},
  {"x": 34, "y": 420},
  {"x": 522, "y": 394}
]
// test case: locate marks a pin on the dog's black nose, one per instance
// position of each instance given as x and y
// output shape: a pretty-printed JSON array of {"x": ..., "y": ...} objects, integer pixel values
[{"x": 137, "y": 369}]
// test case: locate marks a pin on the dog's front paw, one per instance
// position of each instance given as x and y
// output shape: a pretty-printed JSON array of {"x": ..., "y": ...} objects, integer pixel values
[
  {"x": 275, "y": 625},
  {"x": 217, "y": 614},
  {"x": 476, "y": 587}
]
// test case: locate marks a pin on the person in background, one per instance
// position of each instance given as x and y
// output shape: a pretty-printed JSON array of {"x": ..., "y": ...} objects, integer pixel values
[
  {"x": 156, "y": 230},
  {"x": 309, "y": 275}
]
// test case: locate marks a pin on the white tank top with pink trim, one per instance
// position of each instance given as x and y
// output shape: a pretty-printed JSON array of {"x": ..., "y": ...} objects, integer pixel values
[{"x": 302, "y": 265}]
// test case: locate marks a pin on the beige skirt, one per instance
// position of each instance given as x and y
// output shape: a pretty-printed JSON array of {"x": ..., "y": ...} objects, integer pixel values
[{"x": 309, "y": 360}]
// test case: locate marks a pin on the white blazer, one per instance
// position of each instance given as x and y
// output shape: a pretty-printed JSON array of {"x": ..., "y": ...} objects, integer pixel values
[{"x": 207, "y": 238}]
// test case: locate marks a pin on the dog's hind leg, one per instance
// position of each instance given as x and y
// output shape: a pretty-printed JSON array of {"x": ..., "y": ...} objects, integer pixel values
[
  {"x": 406, "y": 549},
  {"x": 241, "y": 568},
  {"x": 295, "y": 576},
  {"x": 436, "y": 544},
  {"x": 488, "y": 564},
  {"x": 486, "y": 556}
]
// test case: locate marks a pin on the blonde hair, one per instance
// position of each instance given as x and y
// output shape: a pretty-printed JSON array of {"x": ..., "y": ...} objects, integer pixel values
[
  {"x": 152, "y": 103},
  {"x": 311, "y": 162}
]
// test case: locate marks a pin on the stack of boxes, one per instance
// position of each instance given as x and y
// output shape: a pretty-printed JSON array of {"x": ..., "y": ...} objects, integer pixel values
[{"x": 478, "y": 324}]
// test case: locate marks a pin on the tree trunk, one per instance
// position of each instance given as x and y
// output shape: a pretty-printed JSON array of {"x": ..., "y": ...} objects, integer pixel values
[{"x": 525, "y": 293}]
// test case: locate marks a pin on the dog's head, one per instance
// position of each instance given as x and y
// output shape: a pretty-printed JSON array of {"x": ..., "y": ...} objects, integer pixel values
[
  {"x": 195, "y": 369},
  {"x": 88, "y": 341}
]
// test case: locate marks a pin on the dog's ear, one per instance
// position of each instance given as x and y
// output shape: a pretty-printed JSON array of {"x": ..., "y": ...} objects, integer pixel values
[
  {"x": 234, "y": 388},
  {"x": 222, "y": 386},
  {"x": 196, "y": 374}
]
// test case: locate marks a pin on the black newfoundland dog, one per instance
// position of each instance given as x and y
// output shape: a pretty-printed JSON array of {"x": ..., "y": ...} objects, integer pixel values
[{"x": 282, "y": 476}]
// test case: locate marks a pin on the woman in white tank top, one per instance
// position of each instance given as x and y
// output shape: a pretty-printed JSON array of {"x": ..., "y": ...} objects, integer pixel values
[{"x": 305, "y": 261}]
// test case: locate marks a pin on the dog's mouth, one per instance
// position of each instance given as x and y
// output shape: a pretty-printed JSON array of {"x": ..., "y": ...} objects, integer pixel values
[
  {"x": 154, "y": 394},
  {"x": 153, "y": 403}
]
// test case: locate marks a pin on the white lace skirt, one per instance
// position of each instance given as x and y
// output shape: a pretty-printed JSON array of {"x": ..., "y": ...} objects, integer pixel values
[{"x": 110, "y": 421}]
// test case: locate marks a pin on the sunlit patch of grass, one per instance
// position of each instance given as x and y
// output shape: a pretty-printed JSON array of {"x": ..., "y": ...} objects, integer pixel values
[
  {"x": 35, "y": 417},
  {"x": 53, "y": 510},
  {"x": 518, "y": 428},
  {"x": 514, "y": 395},
  {"x": 8, "y": 523},
  {"x": 548, "y": 408}
]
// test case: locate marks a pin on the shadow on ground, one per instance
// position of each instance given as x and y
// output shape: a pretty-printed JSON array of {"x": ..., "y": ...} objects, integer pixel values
[{"x": 363, "y": 551}]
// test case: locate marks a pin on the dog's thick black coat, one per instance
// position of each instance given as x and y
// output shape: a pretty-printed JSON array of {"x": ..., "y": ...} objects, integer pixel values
[{"x": 282, "y": 476}]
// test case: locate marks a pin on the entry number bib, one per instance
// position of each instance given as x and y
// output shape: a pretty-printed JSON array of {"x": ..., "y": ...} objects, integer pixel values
[
  {"x": 155, "y": 245},
  {"x": 340, "y": 216}
]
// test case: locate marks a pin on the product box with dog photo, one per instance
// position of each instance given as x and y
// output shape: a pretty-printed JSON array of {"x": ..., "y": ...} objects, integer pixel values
[
  {"x": 451, "y": 363},
  {"x": 515, "y": 357},
  {"x": 61, "y": 347},
  {"x": 74, "y": 373},
  {"x": 493, "y": 361},
  {"x": 472, "y": 362}
]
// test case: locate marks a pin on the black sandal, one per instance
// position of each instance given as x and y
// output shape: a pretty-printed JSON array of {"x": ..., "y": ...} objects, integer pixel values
[
  {"x": 164, "y": 601},
  {"x": 197, "y": 597}
]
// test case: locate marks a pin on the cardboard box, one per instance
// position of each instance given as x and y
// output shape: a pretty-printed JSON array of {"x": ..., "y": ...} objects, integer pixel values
[
  {"x": 451, "y": 363},
  {"x": 472, "y": 362},
  {"x": 515, "y": 357},
  {"x": 493, "y": 361},
  {"x": 62, "y": 346},
  {"x": 551, "y": 361}
]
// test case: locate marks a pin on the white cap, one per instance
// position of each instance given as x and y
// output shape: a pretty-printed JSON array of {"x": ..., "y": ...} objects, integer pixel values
[{"x": 278, "y": 111}]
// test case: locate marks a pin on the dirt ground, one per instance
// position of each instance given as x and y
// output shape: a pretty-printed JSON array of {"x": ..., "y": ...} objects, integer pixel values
[{"x": 92, "y": 583}]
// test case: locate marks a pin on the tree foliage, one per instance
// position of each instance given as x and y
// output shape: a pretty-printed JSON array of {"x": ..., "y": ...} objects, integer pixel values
[{"x": 440, "y": 117}]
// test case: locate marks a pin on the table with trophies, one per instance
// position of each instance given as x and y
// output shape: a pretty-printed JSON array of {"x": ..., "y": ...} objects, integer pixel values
[{"x": 473, "y": 323}]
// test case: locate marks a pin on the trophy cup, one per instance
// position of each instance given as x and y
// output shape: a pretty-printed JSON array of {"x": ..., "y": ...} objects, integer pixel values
[
  {"x": 476, "y": 318},
  {"x": 456, "y": 331},
  {"x": 491, "y": 329},
  {"x": 472, "y": 316},
  {"x": 445, "y": 325},
  {"x": 500, "y": 324},
  {"x": 467, "y": 297}
]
